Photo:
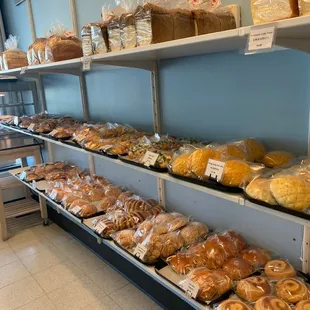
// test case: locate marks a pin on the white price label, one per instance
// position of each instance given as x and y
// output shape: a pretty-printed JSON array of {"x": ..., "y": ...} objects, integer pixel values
[
  {"x": 23, "y": 70},
  {"x": 86, "y": 63},
  {"x": 23, "y": 175},
  {"x": 16, "y": 120},
  {"x": 76, "y": 210},
  {"x": 53, "y": 132},
  {"x": 215, "y": 169},
  {"x": 190, "y": 288},
  {"x": 140, "y": 251},
  {"x": 31, "y": 127},
  {"x": 261, "y": 38},
  {"x": 34, "y": 184},
  {"x": 100, "y": 227},
  {"x": 149, "y": 158}
]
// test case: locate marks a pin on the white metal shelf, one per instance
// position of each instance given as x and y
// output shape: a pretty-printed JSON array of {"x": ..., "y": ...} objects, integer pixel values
[
  {"x": 149, "y": 270},
  {"x": 236, "y": 198},
  {"x": 291, "y": 33}
]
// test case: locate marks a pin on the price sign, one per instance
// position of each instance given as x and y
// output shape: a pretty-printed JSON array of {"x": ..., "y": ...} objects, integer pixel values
[
  {"x": 190, "y": 288},
  {"x": 140, "y": 251},
  {"x": 34, "y": 184},
  {"x": 16, "y": 120},
  {"x": 53, "y": 132},
  {"x": 261, "y": 38},
  {"x": 76, "y": 210},
  {"x": 100, "y": 227},
  {"x": 31, "y": 127},
  {"x": 149, "y": 158},
  {"x": 215, "y": 169},
  {"x": 23, "y": 70},
  {"x": 86, "y": 63},
  {"x": 23, "y": 175}
]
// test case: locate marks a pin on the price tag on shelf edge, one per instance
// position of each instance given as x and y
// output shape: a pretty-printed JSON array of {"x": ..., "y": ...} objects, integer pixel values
[
  {"x": 76, "y": 210},
  {"x": 261, "y": 38},
  {"x": 23, "y": 175},
  {"x": 140, "y": 251},
  {"x": 16, "y": 120},
  {"x": 86, "y": 63},
  {"x": 190, "y": 288},
  {"x": 23, "y": 70},
  {"x": 149, "y": 158},
  {"x": 34, "y": 184},
  {"x": 215, "y": 169},
  {"x": 100, "y": 227}
]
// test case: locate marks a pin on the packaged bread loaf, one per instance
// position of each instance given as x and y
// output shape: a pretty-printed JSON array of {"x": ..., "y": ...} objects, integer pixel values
[
  {"x": 125, "y": 238},
  {"x": 206, "y": 22},
  {"x": 99, "y": 38},
  {"x": 226, "y": 18},
  {"x": 13, "y": 57},
  {"x": 304, "y": 7},
  {"x": 62, "y": 45},
  {"x": 183, "y": 23},
  {"x": 35, "y": 51},
  {"x": 86, "y": 40},
  {"x": 82, "y": 208},
  {"x": 238, "y": 268},
  {"x": 114, "y": 33},
  {"x": 277, "y": 159},
  {"x": 154, "y": 24},
  {"x": 268, "y": 11}
]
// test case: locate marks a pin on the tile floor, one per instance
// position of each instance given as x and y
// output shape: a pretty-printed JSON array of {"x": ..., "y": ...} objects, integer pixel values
[{"x": 45, "y": 268}]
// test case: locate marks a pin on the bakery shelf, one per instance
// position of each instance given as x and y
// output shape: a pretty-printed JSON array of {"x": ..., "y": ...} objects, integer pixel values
[
  {"x": 291, "y": 33},
  {"x": 9, "y": 182},
  {"x": 20, "y": 207}
]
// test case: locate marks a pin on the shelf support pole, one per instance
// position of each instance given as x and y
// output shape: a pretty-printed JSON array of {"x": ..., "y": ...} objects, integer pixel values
[
  {"x": 31, "y": 21},
  {"x": 157, "y": 126},
  {"x": 75, "y": 26}
]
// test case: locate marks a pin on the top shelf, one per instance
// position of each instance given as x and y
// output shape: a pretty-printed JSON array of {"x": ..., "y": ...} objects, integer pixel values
[{"x": 291, "y": 33}]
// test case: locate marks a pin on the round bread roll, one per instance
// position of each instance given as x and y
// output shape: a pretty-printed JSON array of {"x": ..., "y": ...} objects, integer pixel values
[
  {"x": 86, "y": 209},
  {"x": 154, "y": 246},
  {"x": 111, "y": 190},
  {"x": 291, "y": 192},
  {"x": 171, "y": 242},
  {"x": 191, "y": 232},
  {"x": 238, "y": 268},
  {"x": 124, "y": 196},
  {"x": 259, "y": 189},
  {"x": 96, "y": 195},
  {"x": 277, "y": 159},
  {"x": 236, "y": 173},
  {"x": 199, "y": 159},
  {"x": 178, "y": 222},
  {"x": 125, "y": 238},
  {"x": 256, "y": 149},
  {"x": 142, "y": 231},
  {"x": 180, "y": 164},
  {"x": 271, "y": 303},
  {"x": 303, "y": 305},
  {"x": 182, "y": 263},
  {"x": 236, "y": 151},
  {"x": 253, "y": 288},
  {"x": 163, "y": 218},
  {"x": 292, "y": 290},
  {"x": 107, "y": 203},
  {"x": 161, "y": 228},
  {"x": 256, "y": 256},
  {"x": 279, "y": 269},
  {"x": 236, "y": 238},
  {"x": 232, "y": 304},
  {"x": 227, "y": 244}
]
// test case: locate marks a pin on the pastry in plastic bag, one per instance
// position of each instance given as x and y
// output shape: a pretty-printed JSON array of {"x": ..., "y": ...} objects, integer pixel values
[
  {"x": 238, "y": 268},
  {"x": 183, "y": 24},
  {"x": 154, "y": 245},
  {"x": 292, "y": 290},
  {"x": 178, "y": 222},
  {"x": 236, "y": 238},
  {"x": 172, "y": 241},
  {"x": 143, "y": 230},
  {"x": 256, "y": 148},
  {"x": 125, "y": 238},
  {"x": 259, "y": 189},
  {"x": 182, "y": 263},
  {"x": 212, "y": 283},
  {"x": 256, "y": 256},
  {"x": 236, "y": 173},
  {"x": 226, "y": 243},
  {"x": 136, "y": 204},
  {"x": 303, "y": 305},
  {"x": 279, "y": 269},
  {"x": 82, "y": 208},
  {"x": 112, "y": 190},
  {"x": 193, "y": 231},
  {"x": 206, "y": 22},
  {"x": 13, "y": 57},
  {"x": 276, "y": 159},
  {"x": 253, "y": 288},
  {"x": 271, "y": 303},
  {"x": 269, "y": 11},
  {"x": 291, "y": 192},
  {"x": 233, "y": 304},
  {"x": 36, "y": 48},
  {"x": 180, "y": 164}
]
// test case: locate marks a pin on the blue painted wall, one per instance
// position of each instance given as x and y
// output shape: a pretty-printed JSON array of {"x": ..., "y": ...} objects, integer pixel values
[{"x": 216, "y": 97}]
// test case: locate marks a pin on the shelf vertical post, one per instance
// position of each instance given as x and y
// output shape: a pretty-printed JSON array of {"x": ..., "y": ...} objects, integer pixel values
[
  {"x": 31, "y": 20},
  {"x": 75, "y": 26},
  {"x": 157, "y": 126}
]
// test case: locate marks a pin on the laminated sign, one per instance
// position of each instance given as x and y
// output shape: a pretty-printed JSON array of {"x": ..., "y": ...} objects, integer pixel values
[
  {"x": 215, "y": 169},
  {"x": 190, "y": 288},
  {"x": 140, "y": 251},
  {"x": 150, "y": 158},
  {"x": 261, "y": 38}
]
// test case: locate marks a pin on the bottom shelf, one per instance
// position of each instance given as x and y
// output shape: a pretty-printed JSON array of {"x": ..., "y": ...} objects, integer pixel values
[{"x": 20, "y": 207}]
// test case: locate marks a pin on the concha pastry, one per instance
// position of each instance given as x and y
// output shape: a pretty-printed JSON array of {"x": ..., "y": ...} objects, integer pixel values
[
  {"x": 256, "y": 148},
  {"x": 180, "y": 165},
  {"x": 259, "y": 189},
  {"x": 236, "y": 173},
  {"x": 277, "y": 159}
]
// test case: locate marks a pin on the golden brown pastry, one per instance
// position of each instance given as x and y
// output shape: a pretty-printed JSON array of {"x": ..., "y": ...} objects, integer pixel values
[
  {"x": 292, "y": 290},
  {"x": 114, "y": 191},
  {"x": 271, "y": 303},
  {"x": 182, "y": 263},
  {"x": 82, "y": 208},
  {"x": 154, "y": 245},
  {"x": 96, "y": 195},
  {"x": 238, "y": 268},
  {"x": 193, "y": 231},
  {"x": 172, "y": 241},
  {"x": 226, "y": 243},
  {"x": 132, "y": 204},
  {"x": 124, "y": 196},
  {"x": 180, "y": 165},
  {"x": 163, "y": 218},
  {"x": 303, "y": 305},
  {"x": 253, "y": 288},
  {"x": 259, "y": 189},
  {"x": 279, "y": 269},
  {"x": 233, "y": 304},
  {"x": 142, "y": 231},
  {"x": 236, "y": 238},
  {"x": 125, "y": 238},
  {"x": 291, "y": 192},
  {"x": 178, "y": 222},
  {"x": 255, "y": 148},
  {"x": 256, "y": 256},
  {"x": 277, "y": 159},
  {"x": 236, "y": 173},
  {"x": 107, "y": 203}
]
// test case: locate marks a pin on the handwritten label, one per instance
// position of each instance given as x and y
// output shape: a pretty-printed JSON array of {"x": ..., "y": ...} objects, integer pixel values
[
  {"x": 76, "y": 210},
  {"x": 23, "y": 175},
  {"x": 34, "y": 184},
  {"x": 31, "y": 127},
  {"x": 261, "y": 38},
  {"x": 23, "y": 70},
  {"x": 140, "y": 251},
  {"x": 190, "y": 288},
  {"x": 215, "y": 169},
  {"x": 16, "y": 120},
  {"x": 100, "y": 227},
  {"x": 86, "y": 63},
  {"x": 149, "y": 158}
]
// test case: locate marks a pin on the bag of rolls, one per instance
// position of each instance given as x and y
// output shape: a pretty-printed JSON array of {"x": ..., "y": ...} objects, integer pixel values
[
  {"x": 62, "y": 44},
  {"x": 36, "y": 51},
  {"x": 13, "y": 57}
]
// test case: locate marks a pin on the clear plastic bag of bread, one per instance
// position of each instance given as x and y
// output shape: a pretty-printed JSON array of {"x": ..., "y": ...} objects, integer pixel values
[
  {"x": 62, "y": 44},
  {"x": 278, "y": 269},
  {"x": 83, "y": 208},
  {"x": 112, "y": 20},
  {"x": 13, "y": 57},
  {"x": 136, "y": 203},
  {"x": 265, "y": 11},
  {"x": 278, "y": 159},
  {"x": 193, "y": 232},
  {"x": 233, "y": 303},
  {"x": 212, "y": 283},
  {"x": 36, "y": 51},
  {"x": 125, "y": 238}
]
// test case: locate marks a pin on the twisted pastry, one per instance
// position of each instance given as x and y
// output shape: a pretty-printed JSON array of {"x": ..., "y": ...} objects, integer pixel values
[
  {"x": 279, "y": 269},
  {"x": 231, "y": 304},
  {"x": 271, "y": 303},
  {"x": 292, "y": 290}
]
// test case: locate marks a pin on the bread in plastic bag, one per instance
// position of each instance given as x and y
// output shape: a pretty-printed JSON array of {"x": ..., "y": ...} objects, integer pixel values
[
  {"x": 279, "y": 269},
  {"x": 233, "y": 304},
  {"x": 35, "y": 51},
  {"x": 182, "y": 263},
  {"x": 255, "y": 148},
  {"x": 265, "y": 11},
  {"x": 86, "y": 40},
  {"x": 236, "y": 238},
  {"x": 143, "y": 231},
  {"x": 125, "y": 238},
  {"x": 212, "y": 283},
  {"x": 183, "y": 23},
  {"x": 292, "y": 290},
  {"x": 304, "y": 7},
  {"x": 256, "y": 256},
  {"x": 99, "y": 38},
  {"x": 226, "y": 243},
  {"x": 13, "y": 57},
  {"x": 193, "y": 231},
  {"x": 238, "y": 268},
  {"x": 82, "y": 208},
  {"x": 271, "y": 303},
  {"x": 60, "y": 46},
  {"x": 172, "y": 241},
  {"x": 276, "y": 159},
  {"x": 114, "y": 34},
  {"x": 302, "y": 305},
  {"x": 206, "y": 22},
  {"x": 226, "y": 18}
]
